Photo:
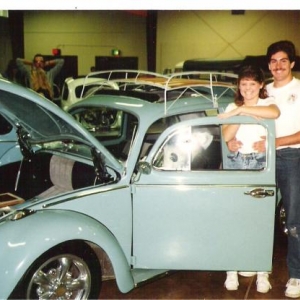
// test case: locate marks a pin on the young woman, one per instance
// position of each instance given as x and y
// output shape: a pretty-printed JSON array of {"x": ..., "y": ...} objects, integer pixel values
[{"x": 250, "y": 100}]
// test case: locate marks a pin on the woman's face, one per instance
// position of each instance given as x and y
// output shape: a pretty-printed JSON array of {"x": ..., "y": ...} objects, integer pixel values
[{"x": 249, "y": 89}]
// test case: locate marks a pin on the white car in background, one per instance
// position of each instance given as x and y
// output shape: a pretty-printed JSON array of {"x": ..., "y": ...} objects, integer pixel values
[
  {"x": 126, "y": 81},
  {"x": 75, "y": 89}
]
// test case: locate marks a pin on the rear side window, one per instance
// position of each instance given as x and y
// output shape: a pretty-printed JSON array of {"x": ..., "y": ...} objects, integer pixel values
[{"x": 87, "y": 90}]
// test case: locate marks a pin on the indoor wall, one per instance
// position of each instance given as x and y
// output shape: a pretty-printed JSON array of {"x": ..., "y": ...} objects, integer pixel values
[
  {"x": 183, "y": 35},
  {"x": 180, "y": 35},
  {"x": 86, "y": 34}
]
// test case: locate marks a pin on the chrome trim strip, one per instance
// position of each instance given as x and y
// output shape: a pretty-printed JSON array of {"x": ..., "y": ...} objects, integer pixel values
[{"x": 85, "y": 194}]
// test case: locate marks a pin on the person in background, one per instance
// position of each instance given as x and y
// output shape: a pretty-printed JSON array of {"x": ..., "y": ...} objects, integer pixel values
[
  {"x": 285, "y": 88},
  {"x": 250, "y": 100},
  {"x": 37, "y": 78}
]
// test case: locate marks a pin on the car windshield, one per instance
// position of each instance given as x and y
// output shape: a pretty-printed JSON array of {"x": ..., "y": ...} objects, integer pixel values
[{"x": 41, "y": 124}]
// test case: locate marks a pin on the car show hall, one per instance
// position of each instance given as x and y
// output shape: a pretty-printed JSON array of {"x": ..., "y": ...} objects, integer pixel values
[{"x": 149, "y": 154}]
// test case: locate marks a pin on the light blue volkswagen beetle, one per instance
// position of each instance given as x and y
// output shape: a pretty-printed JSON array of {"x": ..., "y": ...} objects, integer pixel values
[{"x": 127, "y": 187}]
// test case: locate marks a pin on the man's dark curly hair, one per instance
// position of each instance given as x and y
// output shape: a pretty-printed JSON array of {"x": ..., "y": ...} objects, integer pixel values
[{"x": 286, "y": 46}]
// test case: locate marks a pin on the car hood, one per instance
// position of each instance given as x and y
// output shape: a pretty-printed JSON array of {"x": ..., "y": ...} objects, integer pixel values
[{"x": 43, "y": 121}]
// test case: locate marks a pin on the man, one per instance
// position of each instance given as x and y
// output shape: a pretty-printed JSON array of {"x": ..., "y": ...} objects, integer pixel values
[
  {"x": 286, "y": 91},
  {"x": 36, "y": 77}
]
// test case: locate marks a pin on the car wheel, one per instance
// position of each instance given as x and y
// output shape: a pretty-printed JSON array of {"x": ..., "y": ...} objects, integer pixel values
[{"x": 65, "y": 272}]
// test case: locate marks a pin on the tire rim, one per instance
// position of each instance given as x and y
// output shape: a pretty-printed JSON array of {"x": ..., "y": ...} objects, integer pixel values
[{"x": 61, "y": 277}]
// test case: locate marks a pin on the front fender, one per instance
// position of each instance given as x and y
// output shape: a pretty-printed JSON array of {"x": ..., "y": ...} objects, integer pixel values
[{"x": 24, "y": 240}]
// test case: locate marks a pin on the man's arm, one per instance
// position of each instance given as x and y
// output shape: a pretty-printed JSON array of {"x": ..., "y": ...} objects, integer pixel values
[
  {"x": 288, "y": 140},
  {"x": 22, "y": 65},
  {"x": 56, "y": 65},
  {"x": 260, "y": 146}
]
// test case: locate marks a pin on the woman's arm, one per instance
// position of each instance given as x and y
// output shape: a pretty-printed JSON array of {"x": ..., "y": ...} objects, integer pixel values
[
  {"x": 229, "y": 131},
  {"x": 266, "y": 112}
]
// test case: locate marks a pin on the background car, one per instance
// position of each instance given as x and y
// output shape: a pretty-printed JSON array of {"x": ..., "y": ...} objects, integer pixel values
[
  {"x": 75, "y": 89},
  {"x": 126, "y": 188}
]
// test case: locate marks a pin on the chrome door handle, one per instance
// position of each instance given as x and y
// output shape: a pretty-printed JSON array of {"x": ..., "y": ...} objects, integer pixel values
[{"x": 260, "y": 193}]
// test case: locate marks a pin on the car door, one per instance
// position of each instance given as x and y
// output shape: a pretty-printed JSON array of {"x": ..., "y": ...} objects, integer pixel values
[{"x": 189, "y": 212}]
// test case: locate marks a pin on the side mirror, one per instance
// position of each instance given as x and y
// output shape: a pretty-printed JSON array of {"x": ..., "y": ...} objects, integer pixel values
[{"x": 144, "y": 167}]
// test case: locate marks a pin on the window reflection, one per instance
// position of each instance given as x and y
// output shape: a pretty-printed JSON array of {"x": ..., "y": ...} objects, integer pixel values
[
  {"x": 197, "y": 148},
  {"x": 194, "y": 148}
]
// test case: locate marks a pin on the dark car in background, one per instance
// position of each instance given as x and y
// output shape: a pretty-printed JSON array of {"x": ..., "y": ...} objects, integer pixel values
[{"x": 233, "y": 65}]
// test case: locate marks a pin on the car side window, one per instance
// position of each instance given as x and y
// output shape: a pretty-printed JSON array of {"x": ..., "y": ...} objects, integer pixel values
[
  {"x": 198, "y": 148},
  {"x": 246, "y": 158},
  {"x": 191, "y": 149},
  {"x": 87, "y": 90},
  {"x": 155, "y": 130}
]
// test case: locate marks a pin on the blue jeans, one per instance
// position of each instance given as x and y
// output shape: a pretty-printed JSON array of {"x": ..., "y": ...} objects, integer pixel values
[
  {"x": 288, "y": 180},
  {"x": 251, "y": 161}
]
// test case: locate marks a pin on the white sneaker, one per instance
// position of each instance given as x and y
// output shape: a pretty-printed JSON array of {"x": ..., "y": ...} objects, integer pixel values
[
  {"x": 232, "y": 281},
  {"x": 262, "y": 283},
  {"x": 293, "y": 288},
  {"x": 247, "y": 274}
]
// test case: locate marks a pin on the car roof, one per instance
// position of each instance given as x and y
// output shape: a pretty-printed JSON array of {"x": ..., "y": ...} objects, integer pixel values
[{"x": 167, "y": 82}]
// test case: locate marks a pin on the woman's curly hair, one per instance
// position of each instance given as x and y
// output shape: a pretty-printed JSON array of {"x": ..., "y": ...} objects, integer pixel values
[{"x": 250, "y": 72}]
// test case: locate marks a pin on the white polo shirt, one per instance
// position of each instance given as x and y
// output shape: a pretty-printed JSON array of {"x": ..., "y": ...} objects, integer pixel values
[{"x": 287, "y": 99}]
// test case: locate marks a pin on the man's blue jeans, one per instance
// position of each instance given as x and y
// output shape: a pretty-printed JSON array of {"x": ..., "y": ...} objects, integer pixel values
[{"x": 288, "y": 180}]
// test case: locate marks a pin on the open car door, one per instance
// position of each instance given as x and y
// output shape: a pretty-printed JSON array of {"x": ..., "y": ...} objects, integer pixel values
[{"x": 189, "y": 212}]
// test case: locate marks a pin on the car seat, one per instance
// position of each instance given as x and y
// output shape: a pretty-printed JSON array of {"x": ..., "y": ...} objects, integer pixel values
[{"x": 61, "y": 176}]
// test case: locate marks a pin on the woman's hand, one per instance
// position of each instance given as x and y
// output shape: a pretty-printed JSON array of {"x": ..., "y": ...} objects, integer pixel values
[{"x": 234, "y": 145}]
